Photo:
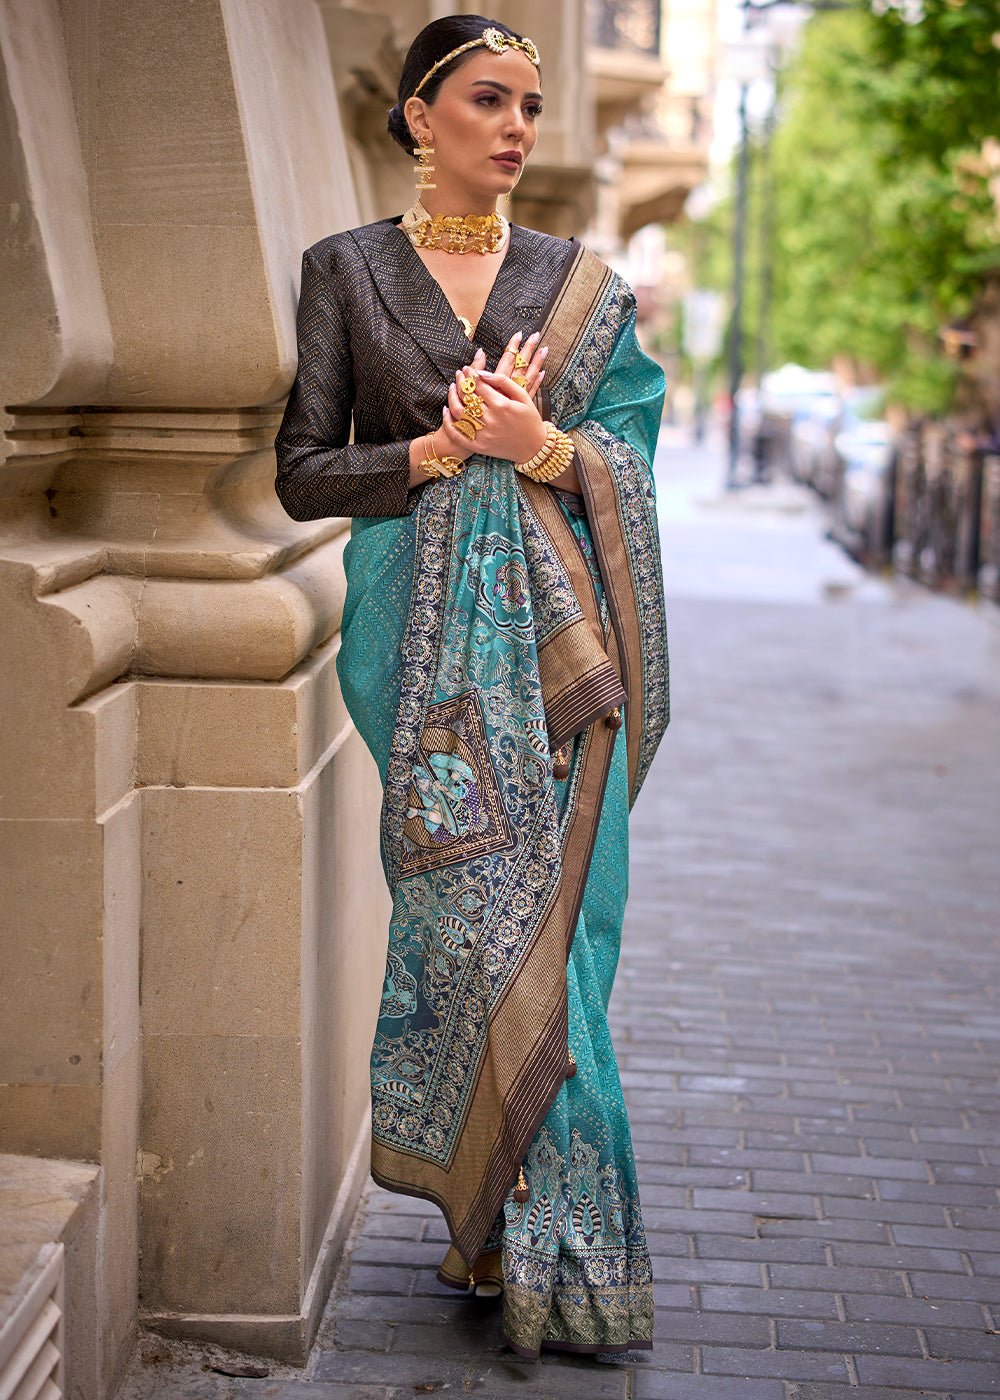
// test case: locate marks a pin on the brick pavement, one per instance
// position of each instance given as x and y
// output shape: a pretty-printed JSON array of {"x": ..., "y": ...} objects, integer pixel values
[{"x": 806, "y": 1022}]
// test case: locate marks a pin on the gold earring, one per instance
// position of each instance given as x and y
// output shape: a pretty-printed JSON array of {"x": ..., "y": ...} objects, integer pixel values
[{"x": 424, "y": 151}]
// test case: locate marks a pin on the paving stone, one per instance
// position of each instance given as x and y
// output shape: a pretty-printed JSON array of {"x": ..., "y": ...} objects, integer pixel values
[
  {"x": 312, "y": 1390},
  {"x": 372, "y": 1278},
  {"x": 889, "y": 1256},
  {"x": 731, "y": 1329},
  {"x": 688, "y": 1220},
  {"x": 374, "y": 1368},
  {"x": 813, "y": 1183},
  {"x": 980, "y": 1289},
  {"x": 658, "y": 1385},
  {"x": 869, "y": 1167},
  {"x": 402, "y": 1253},
  {"x": 920, "y": 1312},
  {"x": 711, "y": 1271},
  {"x": 770, "y": 1302},
  {"x": 372, "y": 1307},
  {"x": 778, "y": 1203},
  {"x": 399, "y": 1227},
  {"x": 807, "y": 1391},
  {"x": 891, "y": 1212},
  {"x": 968, "y": 1344},
  {"x": 358, "y": 1334},
  {"x": 949, "y": 1238},
  {"x": 863, "y": 1231},
  {"x": 848, "y": 1337},
  {"x": 787, "y": 1365},
  {"x": 760, "y": 1249},
  {"x": 950, "y": 1194},
  {"x": 942, "y": 1377},
  {"x": 842, "y": 1280}
]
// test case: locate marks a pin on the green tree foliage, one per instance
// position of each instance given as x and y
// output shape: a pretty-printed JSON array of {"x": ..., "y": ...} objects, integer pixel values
[
  {"x": 883, "y": 220},
  {"x": 941, "y": 74}
]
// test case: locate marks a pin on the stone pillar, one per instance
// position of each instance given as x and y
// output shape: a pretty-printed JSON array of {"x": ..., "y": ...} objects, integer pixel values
[{"x": 181, "y": 790}]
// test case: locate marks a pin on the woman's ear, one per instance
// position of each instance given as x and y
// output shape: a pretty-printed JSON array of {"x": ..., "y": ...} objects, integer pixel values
[{"x": 415, "y": 112}]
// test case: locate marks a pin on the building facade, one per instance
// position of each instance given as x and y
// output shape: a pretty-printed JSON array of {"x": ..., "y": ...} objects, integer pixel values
[{"x": 194, "y": 910}]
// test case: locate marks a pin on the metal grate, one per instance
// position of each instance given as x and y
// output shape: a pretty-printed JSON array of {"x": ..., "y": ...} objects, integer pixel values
[
  {"x": 632, "y": 25},
  {"x": 31, "y": 1337}
]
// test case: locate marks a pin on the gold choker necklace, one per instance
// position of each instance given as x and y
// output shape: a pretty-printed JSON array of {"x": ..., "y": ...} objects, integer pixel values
[{"x": 469, "y": 233}]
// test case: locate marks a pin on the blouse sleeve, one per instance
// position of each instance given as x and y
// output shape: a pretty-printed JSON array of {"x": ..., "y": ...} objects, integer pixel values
[{"x": 320, "y": 472}]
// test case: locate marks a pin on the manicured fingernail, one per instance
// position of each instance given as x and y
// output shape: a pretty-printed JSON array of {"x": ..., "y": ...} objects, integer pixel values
[
  {"x": 543, "y": 352},
  {"x": 540, "y": 377}
]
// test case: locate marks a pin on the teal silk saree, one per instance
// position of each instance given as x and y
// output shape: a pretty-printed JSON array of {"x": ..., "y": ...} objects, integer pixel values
[{"x": 496, "y": 622}]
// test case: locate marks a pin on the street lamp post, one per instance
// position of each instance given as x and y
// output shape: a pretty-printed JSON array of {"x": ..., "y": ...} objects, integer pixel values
[
  {"x": 797, "y": 11},
  {"x": 736, "y": 322}
]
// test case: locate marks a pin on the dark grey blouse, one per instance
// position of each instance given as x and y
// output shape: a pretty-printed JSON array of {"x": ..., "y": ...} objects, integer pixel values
[{"x": 379, "y": 343}]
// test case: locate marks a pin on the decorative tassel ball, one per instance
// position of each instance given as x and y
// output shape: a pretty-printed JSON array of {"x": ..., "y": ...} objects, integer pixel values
[
  {"x": 521, "y": 1189},
  {"x": 560, "y": 764},
  {"x": 614, "y": 718},
  {"x": 571, "y": 1068}
]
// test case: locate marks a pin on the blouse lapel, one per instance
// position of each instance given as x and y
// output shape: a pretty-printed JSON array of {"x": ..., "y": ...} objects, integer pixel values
[
  {"x": 415, "y": 300},
  {"x": 411, "y": 296}
]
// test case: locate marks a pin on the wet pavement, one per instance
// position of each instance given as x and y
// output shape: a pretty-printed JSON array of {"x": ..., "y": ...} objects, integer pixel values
[{"x": 805, "y": 1013}]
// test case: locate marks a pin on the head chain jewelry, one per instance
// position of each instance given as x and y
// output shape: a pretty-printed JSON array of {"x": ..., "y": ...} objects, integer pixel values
[{"x": 494, "y": 40}]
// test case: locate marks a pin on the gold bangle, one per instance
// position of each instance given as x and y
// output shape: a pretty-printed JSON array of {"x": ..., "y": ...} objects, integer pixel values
[
  {"x": 543, "y": 453},
  {"x": 435, "y": 466},
  {"x": 552, "y": 458}
]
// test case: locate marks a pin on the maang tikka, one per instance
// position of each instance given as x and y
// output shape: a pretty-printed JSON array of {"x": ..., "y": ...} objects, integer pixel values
[{"x": 424, "y": 151}]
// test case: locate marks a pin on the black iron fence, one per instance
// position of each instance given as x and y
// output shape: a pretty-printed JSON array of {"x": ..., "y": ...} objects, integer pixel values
[{"x": 937, "y": 519}]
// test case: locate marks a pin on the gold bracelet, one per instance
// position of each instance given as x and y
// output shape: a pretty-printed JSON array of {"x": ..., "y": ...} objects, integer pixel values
[
  {"x": 436, "y": 466},
  {"x": 552, "y": 458},
  {"x": 546, "y": 449}
]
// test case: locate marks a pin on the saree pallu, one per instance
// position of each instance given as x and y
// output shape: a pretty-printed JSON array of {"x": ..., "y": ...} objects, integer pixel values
[{"x": 480, "y": 634}]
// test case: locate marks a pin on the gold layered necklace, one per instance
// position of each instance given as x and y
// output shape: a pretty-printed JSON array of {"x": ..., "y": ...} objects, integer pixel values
[{"x": 455, "y": 233}]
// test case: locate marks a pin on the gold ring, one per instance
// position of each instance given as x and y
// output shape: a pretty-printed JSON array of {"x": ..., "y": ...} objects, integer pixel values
[{"x": 519, "y": 361}]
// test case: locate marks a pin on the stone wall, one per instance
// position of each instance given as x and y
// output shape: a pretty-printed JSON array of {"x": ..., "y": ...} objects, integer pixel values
[{"x": 195, "y": 913}]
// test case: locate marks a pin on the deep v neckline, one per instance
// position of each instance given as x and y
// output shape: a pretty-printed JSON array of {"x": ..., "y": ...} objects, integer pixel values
[{"x": 473, "y": 340}]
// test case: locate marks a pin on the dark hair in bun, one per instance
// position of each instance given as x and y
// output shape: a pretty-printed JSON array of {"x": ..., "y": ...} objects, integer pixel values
[{"x": 431, "y": 44}]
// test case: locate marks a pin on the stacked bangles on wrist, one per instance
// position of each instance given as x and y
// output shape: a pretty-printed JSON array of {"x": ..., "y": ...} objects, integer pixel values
[
  {"x": 552, "y": 458},
  {"x": 436, "y": 466}
]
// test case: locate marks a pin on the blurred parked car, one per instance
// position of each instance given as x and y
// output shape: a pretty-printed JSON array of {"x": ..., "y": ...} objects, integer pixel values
[
  {"x": 813, "y": 430},
  {"x": 866, "y": 449},
  {"x": 789, "y": 398}
]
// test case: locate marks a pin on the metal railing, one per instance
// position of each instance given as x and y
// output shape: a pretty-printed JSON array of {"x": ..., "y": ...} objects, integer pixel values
[{"x": 632, "y": 26}]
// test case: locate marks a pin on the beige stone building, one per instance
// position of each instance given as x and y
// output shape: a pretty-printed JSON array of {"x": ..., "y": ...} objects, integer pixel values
[{"x": 194, "y": 914}]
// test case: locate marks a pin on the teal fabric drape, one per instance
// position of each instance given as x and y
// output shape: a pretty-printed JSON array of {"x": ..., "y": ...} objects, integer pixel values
[{"x": 448, "y": 612}]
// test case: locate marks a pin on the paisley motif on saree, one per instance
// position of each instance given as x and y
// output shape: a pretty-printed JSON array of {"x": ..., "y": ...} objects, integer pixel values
[{"x": 505, "y": 656}]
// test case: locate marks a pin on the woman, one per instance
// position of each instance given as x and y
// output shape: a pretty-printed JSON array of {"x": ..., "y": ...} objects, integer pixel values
[{"x": 504, "y": 604}]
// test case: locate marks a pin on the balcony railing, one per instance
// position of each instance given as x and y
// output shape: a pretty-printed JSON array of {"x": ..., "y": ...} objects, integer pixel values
[{"x": 631, "y": 26}]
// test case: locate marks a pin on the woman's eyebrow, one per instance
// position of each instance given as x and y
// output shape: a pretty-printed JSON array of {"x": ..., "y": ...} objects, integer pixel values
[{"x": 502, "y": 87}]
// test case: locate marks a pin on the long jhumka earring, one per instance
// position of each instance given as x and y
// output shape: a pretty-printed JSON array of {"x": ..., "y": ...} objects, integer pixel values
[{"x": 424, "y": 151}]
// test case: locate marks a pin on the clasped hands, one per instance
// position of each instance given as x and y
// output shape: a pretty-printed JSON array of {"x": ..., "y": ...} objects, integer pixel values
[{"x": 507, "y": 422}]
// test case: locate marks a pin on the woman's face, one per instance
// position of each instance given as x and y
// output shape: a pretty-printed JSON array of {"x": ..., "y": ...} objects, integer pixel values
[{"x": 483, "y": 122}]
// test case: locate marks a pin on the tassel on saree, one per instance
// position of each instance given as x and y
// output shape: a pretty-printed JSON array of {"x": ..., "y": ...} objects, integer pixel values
[{"x": 560, "y": 764}]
